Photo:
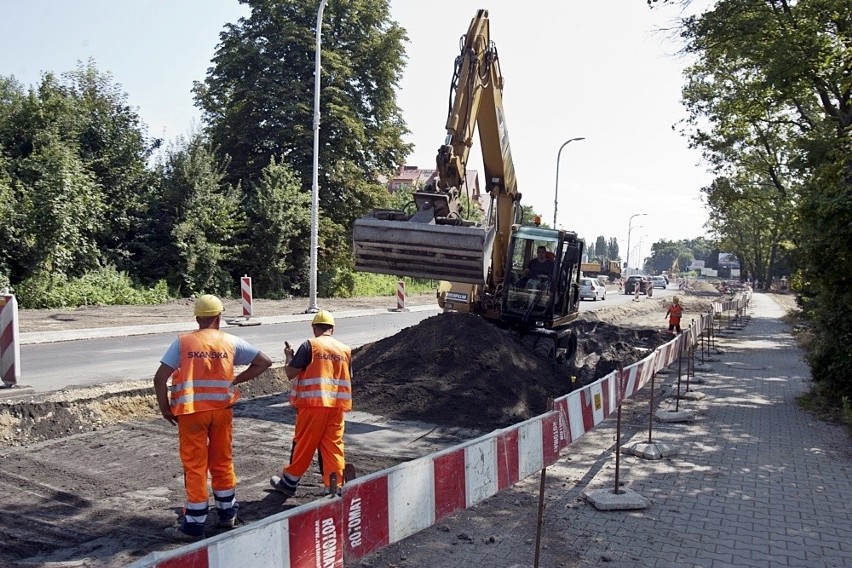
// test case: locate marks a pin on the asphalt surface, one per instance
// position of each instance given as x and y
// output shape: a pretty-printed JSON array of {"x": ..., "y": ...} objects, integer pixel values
[{"x": 757, "y": 482}]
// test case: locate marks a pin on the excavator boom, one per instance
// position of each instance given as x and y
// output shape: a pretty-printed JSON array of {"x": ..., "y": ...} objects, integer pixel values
[{"x": 437, "y": 242}]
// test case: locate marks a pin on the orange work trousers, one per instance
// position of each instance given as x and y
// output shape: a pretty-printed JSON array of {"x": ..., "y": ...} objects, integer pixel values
[
  {"x": 205, "y": 445},
  {"x": 318, "y": 428}
]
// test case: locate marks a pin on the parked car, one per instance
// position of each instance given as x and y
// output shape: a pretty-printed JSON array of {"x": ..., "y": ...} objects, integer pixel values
[
  {"x": 659, "y": 282},
  {"x": 632, "y": 281},
  {"x": 591, "y": 288}
]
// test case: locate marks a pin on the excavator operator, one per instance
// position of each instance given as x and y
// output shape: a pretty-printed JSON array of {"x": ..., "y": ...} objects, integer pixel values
[{"x": 541, "y": 265}]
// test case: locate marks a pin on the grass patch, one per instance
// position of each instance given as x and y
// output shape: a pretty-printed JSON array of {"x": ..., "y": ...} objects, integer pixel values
[{"x": 368, "y": 284}]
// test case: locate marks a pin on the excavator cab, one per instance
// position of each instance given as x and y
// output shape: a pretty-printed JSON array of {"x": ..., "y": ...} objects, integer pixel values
[{"x": 542, "y": 276}]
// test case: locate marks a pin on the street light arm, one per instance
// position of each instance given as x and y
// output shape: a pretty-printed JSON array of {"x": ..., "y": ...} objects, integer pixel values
[
  {"x": 629, "y": 230},
  {"x": 556, "y": 193}
]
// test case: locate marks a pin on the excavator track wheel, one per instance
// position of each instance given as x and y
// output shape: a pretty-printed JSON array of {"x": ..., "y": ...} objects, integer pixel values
[{"x": 545, "y": 347}]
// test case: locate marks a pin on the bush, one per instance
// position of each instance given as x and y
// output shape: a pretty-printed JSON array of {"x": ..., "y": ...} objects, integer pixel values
[{"x": 104, "y": 286}]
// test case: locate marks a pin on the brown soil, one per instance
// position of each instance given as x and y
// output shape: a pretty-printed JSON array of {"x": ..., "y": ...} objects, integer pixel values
[{"x": 441, "y": 370}]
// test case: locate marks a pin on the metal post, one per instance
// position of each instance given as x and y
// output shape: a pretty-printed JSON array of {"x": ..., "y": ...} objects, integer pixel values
[
  {"x": 629, "y": 229},
  {"x": 312, "y": 305},
  {"x": 556, "y": 193}
]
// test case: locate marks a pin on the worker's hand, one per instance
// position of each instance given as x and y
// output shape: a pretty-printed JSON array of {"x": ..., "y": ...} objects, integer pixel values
[
  {"x": 167, "y": 414},
  {"x": 288, "y": 353}
]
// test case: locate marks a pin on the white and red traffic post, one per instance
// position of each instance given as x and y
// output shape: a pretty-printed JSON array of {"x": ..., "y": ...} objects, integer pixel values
[
  {"x": 245, "y": 291},
  {"x": 10, "y": 349}
]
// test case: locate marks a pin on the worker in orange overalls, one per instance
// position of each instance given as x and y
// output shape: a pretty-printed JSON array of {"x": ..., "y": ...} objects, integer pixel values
[
  {"x": 321, "y": 371},
  {"x": 201, "y": 366},
  {"x": 674, "y": 314}
]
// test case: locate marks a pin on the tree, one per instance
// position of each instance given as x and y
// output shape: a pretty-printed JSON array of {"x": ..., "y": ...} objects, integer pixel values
[
  {"x": 279, "y": 232},
  {"x": 771, "y": 104},
  {"x": 612, "y": 249},
  {"x": 258, "y": 96},
  {"x": 195, "y": 223},
  {"x": 600, "y": 248}
]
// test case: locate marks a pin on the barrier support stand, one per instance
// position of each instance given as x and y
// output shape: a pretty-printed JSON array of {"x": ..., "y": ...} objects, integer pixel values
[
  {"x": 618, "y": 498},
  {"x": 677, "y": 415},
  {"x": 649, "y": 450}
]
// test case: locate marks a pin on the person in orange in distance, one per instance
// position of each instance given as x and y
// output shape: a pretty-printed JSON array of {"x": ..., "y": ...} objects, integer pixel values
[
  {"x": 674, "y": 313},
  {"x": 321, "y": 371},
  {"x": 201, "y": 365}
]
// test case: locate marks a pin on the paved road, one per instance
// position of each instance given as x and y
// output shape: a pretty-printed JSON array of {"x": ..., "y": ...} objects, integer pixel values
[
  {"x": 62, "y": 359},
  {"x": 757, "y": 482}
]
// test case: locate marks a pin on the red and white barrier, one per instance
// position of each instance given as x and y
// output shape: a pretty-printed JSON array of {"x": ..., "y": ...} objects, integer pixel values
[
  {"x": 389, "y": 505},
  {"x": 10, "y": 348},
  {"x": 245, "y": 292},
  {"x": 400, "y": 296}
]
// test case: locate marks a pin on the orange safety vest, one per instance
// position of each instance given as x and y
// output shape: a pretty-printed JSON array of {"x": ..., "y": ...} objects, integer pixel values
[
  {"x": 675, "y": 311},
  {"x": 326, "y": 381},
  {"x": 203, "y": 379}
]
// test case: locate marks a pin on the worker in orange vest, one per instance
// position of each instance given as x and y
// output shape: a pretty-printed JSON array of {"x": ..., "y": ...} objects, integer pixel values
[
  {"x": 201, "y": 366},
  {"x": 321, "y": 371},
  {"x": 674, "y": 314}
]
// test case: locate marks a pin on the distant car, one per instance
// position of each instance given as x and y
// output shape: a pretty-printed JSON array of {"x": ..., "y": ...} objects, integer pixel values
[
  {"x": 591, "y": 288},
  {"x": 636, "y": 280},
  {"x": 659, "y": 282}
]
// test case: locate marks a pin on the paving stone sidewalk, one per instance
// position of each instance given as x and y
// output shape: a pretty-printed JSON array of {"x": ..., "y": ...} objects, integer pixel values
[{"x": 757, "y": 482}]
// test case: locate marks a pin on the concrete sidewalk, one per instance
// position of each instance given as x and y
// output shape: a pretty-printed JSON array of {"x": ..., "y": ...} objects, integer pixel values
[{"x": 757, "y": 482}]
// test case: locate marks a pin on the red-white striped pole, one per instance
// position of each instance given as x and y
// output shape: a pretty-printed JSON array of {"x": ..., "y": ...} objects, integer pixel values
[
  {"x": 10, "y": 350},
  {"x": 400, "y": 295},
  {"x": 245, "y": 291}
]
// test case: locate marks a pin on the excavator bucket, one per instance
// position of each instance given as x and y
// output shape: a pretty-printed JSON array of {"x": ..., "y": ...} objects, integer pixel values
[{"x": 423, "y": 250}]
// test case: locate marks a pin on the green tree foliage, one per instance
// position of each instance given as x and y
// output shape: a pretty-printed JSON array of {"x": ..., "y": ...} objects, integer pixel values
[
  {"x": 258, "y": 97},
  {"x": 612, "y": 249},
  {"x": 279, "y": 232},
  {"x": 600, "y": 248},
  {"x": 770, "y": 99},
  {"x": 196, "y": 221}
]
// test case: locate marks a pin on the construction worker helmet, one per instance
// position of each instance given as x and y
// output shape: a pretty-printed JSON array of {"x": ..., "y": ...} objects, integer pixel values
[
  {"x": 323, "y": 317},
  {"x": 208, "y": 305}
]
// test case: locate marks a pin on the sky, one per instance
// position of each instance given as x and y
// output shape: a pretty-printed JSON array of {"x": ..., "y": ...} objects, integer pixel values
[{"x": 572, "y": 68}]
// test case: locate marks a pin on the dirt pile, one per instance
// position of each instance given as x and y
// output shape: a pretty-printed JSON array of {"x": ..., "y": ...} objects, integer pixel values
[{"x": 461, "y": 370}]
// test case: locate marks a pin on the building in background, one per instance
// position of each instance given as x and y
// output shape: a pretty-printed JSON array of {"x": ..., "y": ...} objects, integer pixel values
[{"x": 410, "y": 178}]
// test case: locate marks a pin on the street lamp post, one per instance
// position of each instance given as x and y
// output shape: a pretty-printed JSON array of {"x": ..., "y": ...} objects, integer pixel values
[
  {"x": 312, "y": 305},
  {"x": 629, "y": 229},
  {"x": 556, "y": 194}
]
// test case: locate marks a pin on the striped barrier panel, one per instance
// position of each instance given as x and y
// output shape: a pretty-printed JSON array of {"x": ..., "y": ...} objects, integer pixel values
[
  {"x": 245, "y": 293},
  {"x": 388, "y": 506},
  {"x": 10, "y": 347}
]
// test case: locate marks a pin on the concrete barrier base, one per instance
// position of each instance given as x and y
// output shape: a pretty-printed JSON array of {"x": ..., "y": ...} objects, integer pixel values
[
  {"x": 692, "y": 395},
  {"x": 624, "y": 500},
  {"x": 652, "y": 451},
  {"x": 672, "y": 416}
]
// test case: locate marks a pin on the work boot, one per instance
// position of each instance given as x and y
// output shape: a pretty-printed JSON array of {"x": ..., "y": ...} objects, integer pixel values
[
  {"x": 228, "y": 517},
  {"x": 177, "y": 533},
  {"x": 284, "y": 485}
]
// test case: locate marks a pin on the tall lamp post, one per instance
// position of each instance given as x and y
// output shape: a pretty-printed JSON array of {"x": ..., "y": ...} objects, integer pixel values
[
  {"x": 556, "y": 194},
  {"x": 629, "y": 229},
  {"x": 312, "y": 305}
]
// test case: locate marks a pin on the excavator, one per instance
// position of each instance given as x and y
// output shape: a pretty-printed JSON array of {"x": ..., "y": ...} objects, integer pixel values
[{"x": 486, "y": 268}]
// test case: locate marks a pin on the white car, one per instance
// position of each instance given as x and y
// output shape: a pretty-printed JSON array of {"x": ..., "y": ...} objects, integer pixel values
[{"x": 591, "y": 288}]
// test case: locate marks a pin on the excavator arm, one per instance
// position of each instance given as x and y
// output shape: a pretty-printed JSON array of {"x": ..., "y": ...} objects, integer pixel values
[{"x": 436, "y": 241}]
